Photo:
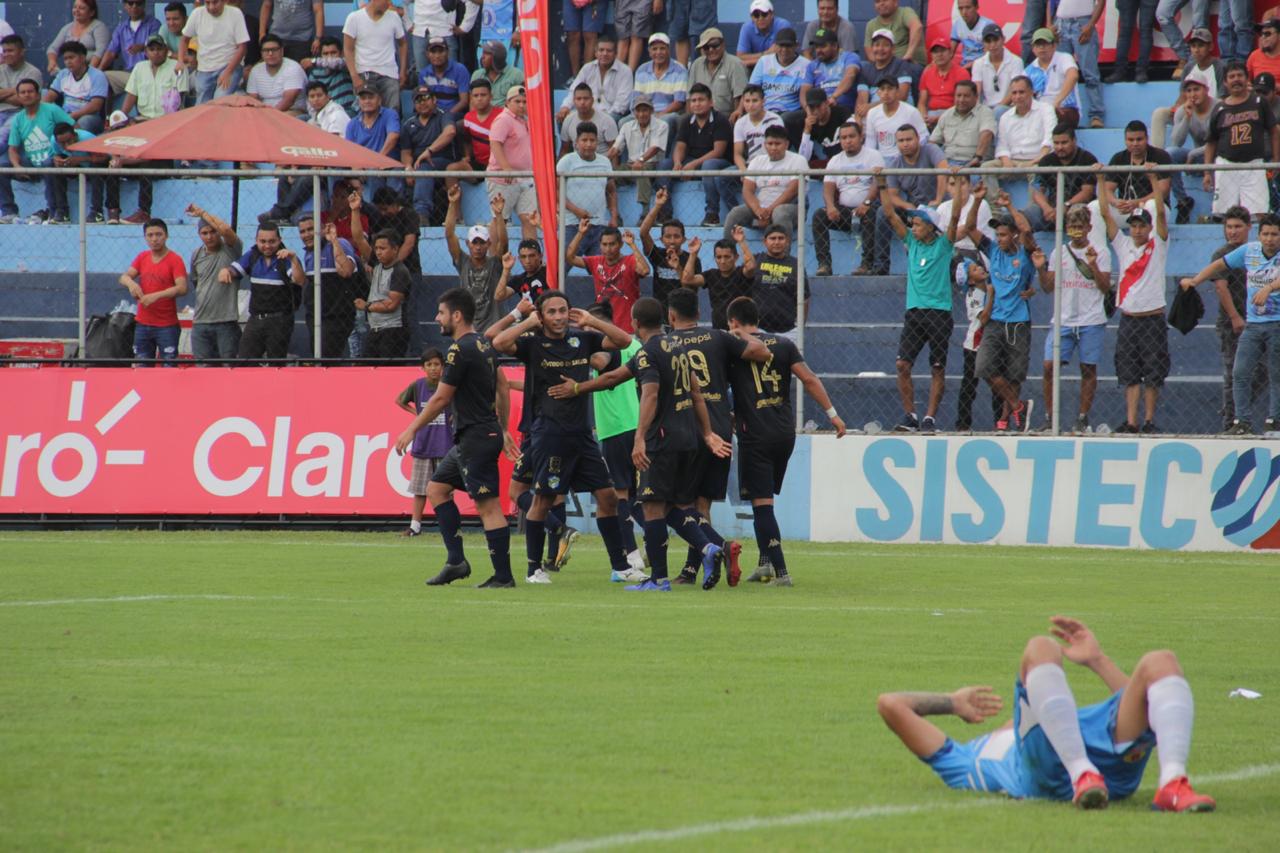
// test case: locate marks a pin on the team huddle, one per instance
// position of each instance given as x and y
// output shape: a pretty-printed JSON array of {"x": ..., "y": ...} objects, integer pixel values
[{"x": 668, "y": 402}]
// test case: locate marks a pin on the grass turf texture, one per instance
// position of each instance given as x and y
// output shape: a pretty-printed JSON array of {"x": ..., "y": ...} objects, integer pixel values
[{"x": 307, "y": 691}]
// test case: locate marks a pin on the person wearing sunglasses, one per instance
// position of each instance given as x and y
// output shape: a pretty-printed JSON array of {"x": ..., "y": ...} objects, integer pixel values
[
  {"x": 721, "y": 72},
  {"x": 128, "y": 44},
  {"x": 995, "y": 70},
  {"x": 757, "y": 40}
]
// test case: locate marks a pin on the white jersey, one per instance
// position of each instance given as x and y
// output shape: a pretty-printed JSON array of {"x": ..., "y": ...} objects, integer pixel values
[
  {"x": 1081, "y": 299},
  {"x": 751, "y": 135},
  {"x": 880, "y": 128},
  {"x": 984, "y": 219},
  {"x": 1142, "y": 273},
  {"x": 852, "y": 190}
]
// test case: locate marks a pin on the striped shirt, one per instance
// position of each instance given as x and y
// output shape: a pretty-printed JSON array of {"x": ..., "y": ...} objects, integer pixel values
[{"x": 672, "y": 86}]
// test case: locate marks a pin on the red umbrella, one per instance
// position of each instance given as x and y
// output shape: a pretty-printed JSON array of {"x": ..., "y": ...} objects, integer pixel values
[{"x": 237, "y": 129}]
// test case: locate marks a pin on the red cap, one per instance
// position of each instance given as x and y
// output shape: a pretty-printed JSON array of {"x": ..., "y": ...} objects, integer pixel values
[{"x": 940, "y": 42}]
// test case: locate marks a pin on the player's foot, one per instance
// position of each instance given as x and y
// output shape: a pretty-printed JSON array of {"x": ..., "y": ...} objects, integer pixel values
[
  {"x": 763, "y": 572},
  {"x": 549, "y": 566},
  {"x": 712, "y": 556},
  {"x": 409, "y": 531},
  {"x": 630, "y": 575},
  {"x": 783, "y": 580},
  {"x": 636, "y": 560},
  {"x": 450, "y": 573},
  {"x": 909, "y": 423},
  {"x": 1179, "y": 796},
  {"x": 733, "y": 549},
  {"x": 1020, "y": 418},
  {"x": 687, "y": 576},
  {"x": 497, "y": 583},
  {"x": 928, "y": 425},
  {"x": 566, "y": 545},
  {"x": 663, "y": 585},
  {"x": 538, "y": 576},
  {"x": 1090, "y": 791}
]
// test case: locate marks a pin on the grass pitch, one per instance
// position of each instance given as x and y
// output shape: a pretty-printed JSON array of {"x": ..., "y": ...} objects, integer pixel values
[{"x": 213, "y": 691}]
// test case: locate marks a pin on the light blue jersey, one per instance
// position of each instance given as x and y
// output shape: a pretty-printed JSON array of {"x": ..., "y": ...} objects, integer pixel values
[
  {"x": 970, "y": 38},
  {"x": 781, "y": 83},
  {"x": 988, "y": 763},
  {"x": 1260, "y": 271}
]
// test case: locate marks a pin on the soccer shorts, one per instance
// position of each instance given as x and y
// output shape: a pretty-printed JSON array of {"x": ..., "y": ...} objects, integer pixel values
[
  {"x": 472, "y": 464},
  {"x": 1142, "y": 350},
  {"x": 1088, "y": 341},
  {"x": 522, "y": 470},
  {"x": 616, "y": 450},
  {"x": 762, "y": 466},
  {"x": 519, "y": 196},
  {"x": 710, "y": 474},
  {"x": 922, "y": 326},
  {"x": 422, "y": 470},
  {"x": 1004, "y": 351},
  {"x": 1121, "y": 764},
  {"x": 1247, "y": 188},
  {"x": 566, "y": 462},
  {"x": 667, "y": 478}
]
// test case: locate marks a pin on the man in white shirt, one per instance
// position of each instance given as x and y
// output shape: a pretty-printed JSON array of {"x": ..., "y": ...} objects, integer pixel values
[
  {"x": 1142, "y": 341},
  {"x": 966, "y": 241},
  {"x": 219, "y": 30},
  {"x": 847, "y": 198},
  {"x": 748, "y": 138},
  {"x": 891, "y": 113},
  {"x": 611, "y": 82},
  {"x": 1025, "y": 132},
  {"x": 1054, "y": 75},
  {"x": 326, "y": 113},
  {"x": 277, "y": 81},
  {"x": 376, "y": 53},
  {"x": 769, "y": 199},
  {"x": 642, "y": 143},
  {"x": 994, "y": 70}
]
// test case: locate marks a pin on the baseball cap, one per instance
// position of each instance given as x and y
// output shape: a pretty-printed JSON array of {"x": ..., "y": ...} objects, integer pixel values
[
  {"x": 1201, "y": 34},
  {"x": 709, "y": 34},
  {"x": 761, "y": 6},
  {"x": 822, "y": 35},
  {"x": 928, "y": 214},
  {"x": 366, "y": 89},
  {"x": 940, "y": 43},
  {"x": 991, "y": 31},
  {"x": 1264, "y": 82},
  {"x": 1199, "y": 77},
  {"x": 1270, "y": 23},
  {"x": 815, "y": 96},
  {"x": 662, "y": 37},
  {"x": 477, "y": 232},
  {"x": 156, "y": 39},
  {"x": 1005, "y": 219},
  {"x": 1141, "y": 215},
  {"x": 642, "y": 100},
  {"x": 117, "y": 119},
  {"x": 883, "y": 33},
  {"x": 437, "y": 41},
  {"x": 785, "y": 36},
  {"x": 423, "y": 90},
  {"x": 1043, "y": 34}
]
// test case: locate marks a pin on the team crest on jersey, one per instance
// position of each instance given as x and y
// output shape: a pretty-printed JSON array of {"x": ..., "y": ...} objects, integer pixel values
[
  {"x": 553, "y": 465},
  {"x": 553, "y": 482},
  {"x": 1017, "y": 263},
  {"x": 573, "y": 341},
  {"x": 647, "y": 491}
]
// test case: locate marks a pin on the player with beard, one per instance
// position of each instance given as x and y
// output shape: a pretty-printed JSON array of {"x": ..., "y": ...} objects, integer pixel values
[
  {"x": 478, "y": 394},
  {"x": 553, "y": 341}
]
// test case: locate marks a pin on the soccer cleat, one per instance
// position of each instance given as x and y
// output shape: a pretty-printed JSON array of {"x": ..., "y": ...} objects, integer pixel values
[
  {"x": 687, "y": 576},
  {"x": 628, "y": 575},
  {"x": 909, "y": 423},
  {"x": 1090, "y": 791},
  {"x": 1239, "y": 427},
  {"x": 1179, "y": 796},
  {"x": 450, "y": 573},
  {"x": 549, "y": 566},
  {"x": 538, "y": 576},
  {"x": 496, "y": 583},
  {"x": 566, "y": 545},
  {"x": 409, "y": 531},
  {"x": 663, "y": 585},
  {"x": 782, "y": 580},
  {"x": 733, "y": 549},
  {"x": 712, "y": 556},
  {"x": 928, "y": 425},
  {"x": 636, "y": 560},
  {"x": 763, "y": 572}
]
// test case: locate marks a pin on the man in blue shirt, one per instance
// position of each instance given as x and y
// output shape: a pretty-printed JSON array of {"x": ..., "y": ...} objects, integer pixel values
[
  {"x": 128, "y": 43},
  {"x": 448, "y": 80},
  {"x": 55, "y": 186},
  {"x": 781, "y": 74},
  {"x": 1260, "y": 261},
  {"x": 832, "y": 70},
  {"x": 82, "y": 89},
  {"x": 377, "y": 128},
  {"x": 756, "y": 40},
  {"x": 1005, "y": 350}
]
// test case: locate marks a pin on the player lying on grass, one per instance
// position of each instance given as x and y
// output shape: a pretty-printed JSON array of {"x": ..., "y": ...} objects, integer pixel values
[{"x": 1051, "y": 750}]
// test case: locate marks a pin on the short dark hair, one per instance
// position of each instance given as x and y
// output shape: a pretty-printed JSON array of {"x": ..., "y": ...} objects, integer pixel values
[
  {"x": 177, "y": 7},
  {"x": 316, "y": 84},
  {"x": 910, "y": 127},
  {"x": 269, "y": 226},
  {"x": 753, "y": 89},
  {"x": 459, "y": 299},
  {"x": 530, "y": 243},
  {"x": 1235, "y": 65},
  {"x": 62, "y": 127},
  {"x": 1236, "y": 211},
  {"x": 855, "y": 126},
  {"x": 431, "y": 354},
  {"x": 547, "y": 295},
  {"x": 73, "y": 47},
  {"x": 330, "y": 41},
  {"x": 684, "y": 302},
  {"x": 392, "y": 237},
  {"x": 776, "y": 131},
  {"x": 1136, "y": 126},
  {"x": 744, "y": 310},
  {"x": 27, "y": 81},
  {"x": 610, "y": 231},
  {"x": 1268, "y": 219},
  {"x": 1063, "y": 128},
  {"x": 13, "y": 38},
  {"x": 583, "y": 87},
  {"x": 481, "y": 83},
  {"x": 702, "y": 89},
  {"x": 270, "y": 38},
  {"x": 1022, "y": 78},
  {"x": 587, "y": 128},
  {"x": 726, "y": 243},
  {"x": 386, "y": 195},
  {"x": 968, "y": 84},
  {"x": 603, "y": 310},
  {"x": 154, "y": 222},
  {"x": 776, "y": 229},
  {"x": 674, "y": 223},
  {"x": 647, "y": 313}
]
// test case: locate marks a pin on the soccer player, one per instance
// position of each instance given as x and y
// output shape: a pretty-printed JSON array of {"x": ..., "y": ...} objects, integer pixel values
[
  {"x": 766, "y": 424},
  {"x": 1052, "y": 750},
  {"x": 711, "y": 353},
  {"x": 672, "y": 415},
  {"x": 556, "y": 341},
  {"x": 477, "y": 393}
]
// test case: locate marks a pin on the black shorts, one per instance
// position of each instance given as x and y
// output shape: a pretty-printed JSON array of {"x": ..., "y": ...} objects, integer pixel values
[
  {"x": 472, "y": 464},
  {"x": 1142, "y": 351},
  {"x": 762, "y": 466},
  {"x": 616, "y": 450},
  {"x": 667, "y": 479},
  {"x": 567, "y": 462},
  {"x": 710, "y": 474},
  {"x": 922, "y": 326},
  {"x": 522, "y": 471}
]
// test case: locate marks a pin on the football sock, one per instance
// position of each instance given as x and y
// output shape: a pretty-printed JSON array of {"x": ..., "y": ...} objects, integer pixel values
[
  {"x": 769, "y": 537},
  {"x": 710, "y": 532},
  {"x": 611, "y": 532},
  {"x": 450, "y": 520},
  {"x": 625, "y": 510},
  {"x": 500, "y": 551},
  {"x": 1171, "y": 712},
  {"x": 525, "y": 501},
  {"x": 535, "y": 535},
  {"x": 655, "y": 546},
  {"x": 1055, "y": 710},
  {"x": 415, "y": 526},
  {"x": 685, "y": 523},
  {"x": 556, "y": 517},
  {"x": 693, "y": 559}
]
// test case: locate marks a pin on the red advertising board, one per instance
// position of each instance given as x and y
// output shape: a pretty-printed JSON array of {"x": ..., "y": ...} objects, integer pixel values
[{"x": 217, "y": 441}]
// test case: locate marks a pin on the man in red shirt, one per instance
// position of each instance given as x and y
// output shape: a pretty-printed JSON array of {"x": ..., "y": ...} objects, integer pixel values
[
  {"x": 1266, "y": 57},
  {"x": 474, "y": 129},
  {"x": 616, "y": 276},
  {"x": 938, "y": 82},
  {"x": 156, "y": 278}
]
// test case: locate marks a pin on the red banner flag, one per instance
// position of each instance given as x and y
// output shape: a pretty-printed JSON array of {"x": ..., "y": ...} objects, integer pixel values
[{"x": 537, "y": 78}]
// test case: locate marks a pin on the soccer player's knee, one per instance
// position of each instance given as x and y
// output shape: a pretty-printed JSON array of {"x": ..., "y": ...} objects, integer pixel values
[
  {"x": 1158, "y": 664},
  {"x": 904, "y": 367},
  {"x": 607, "y": 502},
  {"x": 438, "y": 493},
  {"x": 1040, "y": 650}
]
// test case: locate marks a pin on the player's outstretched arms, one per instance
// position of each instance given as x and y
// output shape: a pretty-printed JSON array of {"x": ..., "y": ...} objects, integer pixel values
[
  {"x": 568, "y": 388},
  {"x": 904, "y": 714},
  {"x": 1082, "y": 647}
]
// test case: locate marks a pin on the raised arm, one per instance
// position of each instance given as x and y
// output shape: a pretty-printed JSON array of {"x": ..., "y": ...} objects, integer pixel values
[
  {"x": 451, "y": 223},
  {"x": 1162, "y": 221},
  {"x": 689, "y": 275},
  {"x": 1104, "y": 205},
  {"x": 571, "y": 253},
  {"x": 642, "y": 265},
  {"x": 614, "y": 338},
  {"x": 1081, "y": 647}
]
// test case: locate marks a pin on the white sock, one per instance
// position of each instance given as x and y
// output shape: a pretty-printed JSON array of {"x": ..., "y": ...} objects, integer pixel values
[
  {"x": 1055, "y": 709},
  {"x": 415, "y": 526},
  {"x": 1171, "y": 711}
]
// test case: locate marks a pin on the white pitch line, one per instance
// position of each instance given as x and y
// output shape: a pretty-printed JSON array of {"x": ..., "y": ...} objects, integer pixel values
[
  {"x": 751, "y": 824},
  {"x": 55, "y": 602}
]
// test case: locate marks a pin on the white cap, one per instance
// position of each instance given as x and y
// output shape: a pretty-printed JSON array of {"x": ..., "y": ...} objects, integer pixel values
[
  {"x": 1197, "y": 76},
  {"x": 761, "y": 6},
  {"x": 477, "y": 232},
  {"x": 883, "y": 33},
  {"x": 117, "y": 119},
  {"x": 662, "y": 37}
]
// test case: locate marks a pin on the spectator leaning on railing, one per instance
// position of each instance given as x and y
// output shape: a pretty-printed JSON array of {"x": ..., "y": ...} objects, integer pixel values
[
  {"x": 1241, "y": 130},
  {"x": 156, "y": 278},
  {"x": 1232, "y": 292},
  {"x": 906, "y": 192},
  {"x": 275, "y": 275},
  {"x": 337, "y": 267}
]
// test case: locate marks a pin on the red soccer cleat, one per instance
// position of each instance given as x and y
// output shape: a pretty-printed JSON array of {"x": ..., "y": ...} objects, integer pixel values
[
  {"x": 733, "y": 549},
  {"x": 1179, "y": 796},
  {"x": 1090, "y": 791}
]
